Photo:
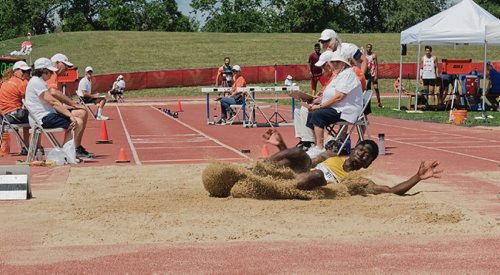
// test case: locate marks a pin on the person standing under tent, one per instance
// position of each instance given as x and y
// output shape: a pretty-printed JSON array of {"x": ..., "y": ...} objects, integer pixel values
[{"x": 429, "y": 70}]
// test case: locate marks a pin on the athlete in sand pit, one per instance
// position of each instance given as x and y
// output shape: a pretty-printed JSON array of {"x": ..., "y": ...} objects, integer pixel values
[{"x": 330, "y": 168}]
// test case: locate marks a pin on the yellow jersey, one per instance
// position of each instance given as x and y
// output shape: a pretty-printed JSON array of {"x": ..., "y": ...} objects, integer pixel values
[{"x": 333, "y": 169}]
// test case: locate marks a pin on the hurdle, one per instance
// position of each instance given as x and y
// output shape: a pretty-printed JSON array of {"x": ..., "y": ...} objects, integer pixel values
[{"x": 252, "y": 90}]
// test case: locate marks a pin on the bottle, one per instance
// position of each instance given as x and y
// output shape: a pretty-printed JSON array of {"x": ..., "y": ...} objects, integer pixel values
[
  {"x": 381, "y": 144},
  {"x": 39, "y": 155},
  {"x": 348, "y": 146}
]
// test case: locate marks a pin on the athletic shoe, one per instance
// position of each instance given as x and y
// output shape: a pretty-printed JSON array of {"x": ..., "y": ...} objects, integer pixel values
[
  {"x": 82, "y": 153},
  {"x": 305, "y": 145},
  {"x": 315, "y": 151},
  {"x": 101, "y": 117}
]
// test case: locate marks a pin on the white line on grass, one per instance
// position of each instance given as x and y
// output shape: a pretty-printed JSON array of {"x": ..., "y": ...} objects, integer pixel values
[
  {"x": 203, "y": 134},
  {"x": 132, "y": 147}
]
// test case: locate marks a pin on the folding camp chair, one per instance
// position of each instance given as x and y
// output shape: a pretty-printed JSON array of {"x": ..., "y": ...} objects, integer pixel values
[
  {"x": 361, "y": 122},
  {"x": 7, "y": 127},
  {"x": 87, "y": 106},
  {"x": 250, "y": 106},
  {"x": 36, "y": 131}
]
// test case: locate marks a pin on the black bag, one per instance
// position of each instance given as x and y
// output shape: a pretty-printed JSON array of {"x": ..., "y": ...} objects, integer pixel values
[{"x": 18, "y": 116}]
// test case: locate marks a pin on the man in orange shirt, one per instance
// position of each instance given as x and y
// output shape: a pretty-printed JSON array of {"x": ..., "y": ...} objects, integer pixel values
[
  {"x": 62, "y": 63},
  {"x": 235, "y": 97},
  {"x": 11, "y": 96}
]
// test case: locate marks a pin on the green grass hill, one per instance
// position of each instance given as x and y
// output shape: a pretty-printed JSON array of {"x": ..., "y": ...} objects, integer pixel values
[{"x": 111, "y": 51}]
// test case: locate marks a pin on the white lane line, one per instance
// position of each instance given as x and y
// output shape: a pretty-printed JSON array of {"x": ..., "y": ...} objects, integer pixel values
[
  {"x": 203, "y": 134},
  {"x": 446, "y": 151},
  {"x": 130, "y": 143},
  {"x": 178, "y": 147},
  {"x": 184, "y": 160},
  {"x": 431, "y": 131},
  {"x": 470, "y": 146}
]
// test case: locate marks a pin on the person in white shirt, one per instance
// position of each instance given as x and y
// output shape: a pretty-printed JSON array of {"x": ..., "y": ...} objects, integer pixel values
[
  {"x": 117, "y": 89},
  {"x": 342, "y": 100},
  {"x": 48, "y": 110},
  {"x": 85, "y": 92}
]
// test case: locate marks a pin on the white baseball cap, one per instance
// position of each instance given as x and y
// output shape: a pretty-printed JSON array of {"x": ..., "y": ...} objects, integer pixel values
[
  {"x": 327, "y": 34},
  {"x": 338, "y": 56},
  {"x": 44, "y": 63},
  {"x": 59, "y": 57},
  {"x": 323, "y": 58},
  {"x": 289, "y": 77},
  {"x": 236, "y": 68},
  {"x": 89, "y": 69},
  {"x": 120, "y": 77},
  {"x": 21, "y": 65}
]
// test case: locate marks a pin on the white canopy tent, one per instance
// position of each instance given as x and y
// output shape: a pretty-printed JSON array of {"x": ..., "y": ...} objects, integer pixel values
[{"x": 463, "y": 23}]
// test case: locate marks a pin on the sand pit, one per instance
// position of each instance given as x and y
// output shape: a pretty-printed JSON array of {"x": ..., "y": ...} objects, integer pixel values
[{"x": 166, "y": 204}]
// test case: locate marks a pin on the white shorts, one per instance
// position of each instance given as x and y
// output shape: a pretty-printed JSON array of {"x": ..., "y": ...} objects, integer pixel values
[{"x": 327, "y": 173}]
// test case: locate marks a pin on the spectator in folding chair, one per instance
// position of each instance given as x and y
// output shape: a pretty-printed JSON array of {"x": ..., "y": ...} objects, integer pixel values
[
  {"x": 235, "y": 97},
  {"x": 328, "y": 168},
  {"x": 342, "y": 100},
  {"x": 11, "y": 99},
  {"x": 301, "y": 114},
  {"x": 117, "y": 90},
  {"x": 85, "y": 93},
  {"x": 50, "y": 111},
  {"x": 61, "y": 62}
]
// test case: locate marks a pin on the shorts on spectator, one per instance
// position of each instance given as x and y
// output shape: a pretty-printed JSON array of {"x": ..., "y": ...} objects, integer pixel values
[
  {"x": 55, "y": 120},
  {"x": 89, "y": 100},
  {"x": 429, "y": 82},
  {"x": 14, "y": 118},
  {"x": 322, "y": 117},
  {"x": 116, "y": 92}
]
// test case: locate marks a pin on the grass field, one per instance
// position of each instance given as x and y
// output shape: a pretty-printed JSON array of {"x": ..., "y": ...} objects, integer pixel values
[{"x": 120, "y": 52}]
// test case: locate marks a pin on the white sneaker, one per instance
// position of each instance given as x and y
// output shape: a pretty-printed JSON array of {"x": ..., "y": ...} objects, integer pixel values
[
  {"x": 315, "y": 151},
  {"x": 101, "y": 117}
]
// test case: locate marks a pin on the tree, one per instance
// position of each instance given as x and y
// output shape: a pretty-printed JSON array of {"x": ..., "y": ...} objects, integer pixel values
[
  {"x": 20, "y": 17},
  {"x": 401, "y": 14},
  {"x": 490, "y": 5},
  {"x": 234, "y": 15}
]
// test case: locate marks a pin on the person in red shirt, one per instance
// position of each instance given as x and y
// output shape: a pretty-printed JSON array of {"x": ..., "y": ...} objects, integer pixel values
[
  {"x": 314, "y": 72},
  {"x": 11, "y": 98}
]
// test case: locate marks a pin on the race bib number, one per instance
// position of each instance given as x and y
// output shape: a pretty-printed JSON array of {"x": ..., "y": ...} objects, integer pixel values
[{"x": 327, "y": 173}]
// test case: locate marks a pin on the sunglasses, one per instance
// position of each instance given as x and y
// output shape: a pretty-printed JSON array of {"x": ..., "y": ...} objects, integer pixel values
[{"x": 325, "y": 41}]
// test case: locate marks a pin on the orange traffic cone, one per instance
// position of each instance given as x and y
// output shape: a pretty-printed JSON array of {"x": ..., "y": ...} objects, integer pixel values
[
  {"x": 265, "y": 151},
  {"x": 179, "y": 106},
  {"x": 104, "y": 134},
  {"x": 122, "y": 156}
]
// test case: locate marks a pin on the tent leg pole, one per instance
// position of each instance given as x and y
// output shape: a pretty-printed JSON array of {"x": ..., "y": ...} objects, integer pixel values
[
  {"x": 417, "y": 78},
  {"x": 400, "y": 81},
  {"x": 483, "y": 114}
]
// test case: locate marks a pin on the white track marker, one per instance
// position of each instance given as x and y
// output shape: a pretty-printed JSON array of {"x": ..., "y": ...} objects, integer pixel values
[
  {"x": 132, "y": 147},
  {"x": 203, "y": 134}
]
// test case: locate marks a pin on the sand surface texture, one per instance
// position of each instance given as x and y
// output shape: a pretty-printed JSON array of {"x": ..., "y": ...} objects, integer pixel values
[{"x": 166, "y": 204}]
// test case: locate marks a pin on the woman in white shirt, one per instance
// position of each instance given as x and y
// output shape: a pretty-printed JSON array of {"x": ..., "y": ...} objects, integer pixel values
[{"x": 342, "y": 100}]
